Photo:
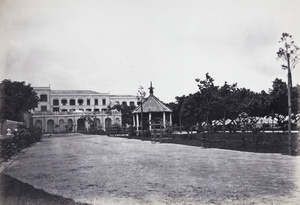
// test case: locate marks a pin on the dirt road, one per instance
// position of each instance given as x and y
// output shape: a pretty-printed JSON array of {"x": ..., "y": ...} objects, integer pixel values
[{"x": 106, "y": 170}]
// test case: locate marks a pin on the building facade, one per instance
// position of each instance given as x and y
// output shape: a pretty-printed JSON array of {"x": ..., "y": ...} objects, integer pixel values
[{"x": 77, "y": 110}]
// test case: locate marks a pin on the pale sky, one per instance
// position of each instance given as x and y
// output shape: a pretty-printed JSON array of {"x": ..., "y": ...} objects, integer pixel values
[{"x": 117, "y": 45}]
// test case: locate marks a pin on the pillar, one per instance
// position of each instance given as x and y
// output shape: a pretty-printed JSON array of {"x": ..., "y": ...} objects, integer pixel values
[
  {"x": 137, "y": 121},
  {"x": 133, "y": 120},
  {"x": 164, "y": 120},
  {"x": 150, "y": 121}
]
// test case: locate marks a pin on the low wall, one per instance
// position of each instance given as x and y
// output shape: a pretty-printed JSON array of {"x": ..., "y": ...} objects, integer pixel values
[{"x": 260, "y": 142}]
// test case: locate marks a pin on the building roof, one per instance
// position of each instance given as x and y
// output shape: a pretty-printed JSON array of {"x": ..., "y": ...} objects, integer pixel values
[
  {"x": 152, "y": 104},
  {"x": 120, "y": 96},
  {"x": 74, "y": 92}
]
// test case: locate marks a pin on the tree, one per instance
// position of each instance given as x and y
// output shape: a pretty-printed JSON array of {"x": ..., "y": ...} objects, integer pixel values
[
  {"x": 191, "y": 111},
  {"x": 295, "y": 100},
  {"x": 289, "y": 54},
  {"x": 228, "y": 101},
  {"x": 16, "y": 99},
  {"x": 126, "y": 113},
  {"x": 209, "y": 98},
  {"x": 278, "y": 99}
]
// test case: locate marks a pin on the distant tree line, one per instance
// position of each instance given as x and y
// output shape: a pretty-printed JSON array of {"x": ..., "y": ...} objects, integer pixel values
[{"x": 214, "y": 104}]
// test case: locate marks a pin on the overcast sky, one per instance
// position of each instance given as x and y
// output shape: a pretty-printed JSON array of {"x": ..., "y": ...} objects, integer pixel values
[{"x": 116, "y": 46}]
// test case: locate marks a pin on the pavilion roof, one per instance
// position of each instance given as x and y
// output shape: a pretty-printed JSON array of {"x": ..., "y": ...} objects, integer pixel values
[{"x": 152, "y": 104}]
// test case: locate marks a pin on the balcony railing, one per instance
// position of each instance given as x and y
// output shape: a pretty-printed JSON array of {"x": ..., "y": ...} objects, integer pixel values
[{"x": 74, "y": 112}]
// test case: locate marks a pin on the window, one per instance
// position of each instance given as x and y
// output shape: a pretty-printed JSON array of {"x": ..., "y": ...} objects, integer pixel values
[
  {"x": 64, "y": 101},
  {"x": 43, "y": 98},
  {"x": 103, "y": 101},
  {"x": 96, "y": 101},
  {"x": 56, "y": 109},
  {"x": 104, "y": 110},
  {"x": 72, "y": 110},
  {"x": 124, "y": 103},
  {"x": 131, "y": 103},
  {"x": 80, "y": 101},
  {"x": 88, "y": 110},
  {"x": 72, "y": 102},
  {"x": 55, "y": 102},
  {"x": 88, "y": 101},
  {"x": 138, "y": 103},
  {"x": 96, "y": 110},
  {"x": 44, "y": 108},
  {"x": 64, "y": 110}
]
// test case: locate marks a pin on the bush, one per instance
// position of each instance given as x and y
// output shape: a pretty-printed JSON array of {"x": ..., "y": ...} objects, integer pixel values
[
  {"x": 97, "y": 132},
  {"x": 21, "y": 139},
  {"x": 132, "y": 131}
]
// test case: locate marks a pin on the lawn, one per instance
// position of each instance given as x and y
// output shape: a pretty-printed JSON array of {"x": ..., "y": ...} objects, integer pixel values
[{"x": 107, "y": 170}]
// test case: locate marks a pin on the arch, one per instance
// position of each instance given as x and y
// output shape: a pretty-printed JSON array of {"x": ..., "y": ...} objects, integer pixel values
[
  {"x": 118, "y": 120},
  {"x": 72, "y": 101},
  {"x": 64, "y": 101},
  {"x": 96, "y": 101},
  {"x": 50, "y": 126},
  {"x": 98, "y": 123},
  {"x": 43, "y": 97},
  {"x": 80, "y": 101},
  {"x": 81, "y": 125},
  {"x": 61, "y": 124},
  {"x": 69, "y": 125},
  {"x": 55, "y": 101},
  {"x": 38, "y": 124},
  {"x": 107, "y": 123}
]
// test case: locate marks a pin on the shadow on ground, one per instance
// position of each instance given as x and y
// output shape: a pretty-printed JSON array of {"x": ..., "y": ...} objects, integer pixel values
[{"x": 15, "y": 192}]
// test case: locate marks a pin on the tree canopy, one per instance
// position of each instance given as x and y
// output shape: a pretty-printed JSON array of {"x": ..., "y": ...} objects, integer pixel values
[
  {"x": 16, "y": 98},
  {"x": 126, "y": 113},
  {"x": 216, "y": 104},
  {"x": 289, "y": 51}
]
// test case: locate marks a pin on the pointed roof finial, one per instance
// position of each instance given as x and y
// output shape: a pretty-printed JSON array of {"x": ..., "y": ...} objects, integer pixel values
[{"x": 151, "y": 88}]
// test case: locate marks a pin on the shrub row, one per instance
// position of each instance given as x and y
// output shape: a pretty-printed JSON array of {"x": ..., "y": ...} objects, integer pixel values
[
  {"x": 259, "y": 142},
  {"x": 18, "y": 141}
]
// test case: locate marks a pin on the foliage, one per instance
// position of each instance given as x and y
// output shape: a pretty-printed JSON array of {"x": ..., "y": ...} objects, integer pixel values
[
  {"x": 126, "y": 113},
  {"x": 278, "y": 98},
  {"x": 20, "y": 140},
  {"x": 16, "y": 99},
  {"x": 212, "y": 105},
  {"x": 289, "y": 52}
]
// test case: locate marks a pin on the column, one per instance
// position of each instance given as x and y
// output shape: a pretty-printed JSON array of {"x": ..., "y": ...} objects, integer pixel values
[
  {"x": 137, "y": 121},
  {"x": 150, "y": 121},
  {"x": 170, "y": 119},
  {"x": 133, "y": 120},
  {"x": 164, "y": 120}
]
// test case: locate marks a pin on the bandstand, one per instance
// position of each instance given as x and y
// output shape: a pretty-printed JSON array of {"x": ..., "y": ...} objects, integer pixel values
[{"x": 154, "y": 113}]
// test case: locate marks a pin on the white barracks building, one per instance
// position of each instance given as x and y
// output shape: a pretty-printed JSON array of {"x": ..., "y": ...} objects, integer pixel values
[{"x": 69, "y": 110}]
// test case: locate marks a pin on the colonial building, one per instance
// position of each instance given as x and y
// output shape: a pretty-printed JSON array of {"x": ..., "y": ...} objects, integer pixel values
[{"x": 74, "y": 110}]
